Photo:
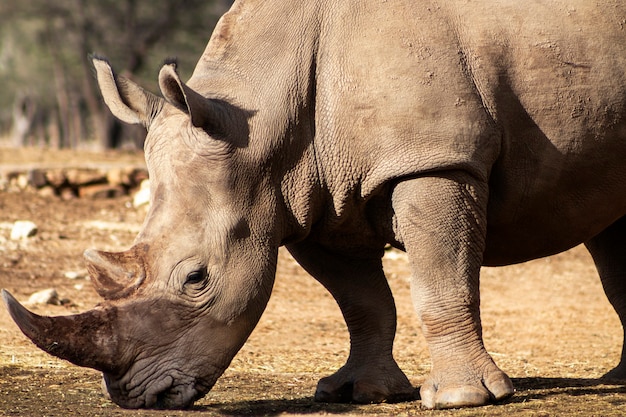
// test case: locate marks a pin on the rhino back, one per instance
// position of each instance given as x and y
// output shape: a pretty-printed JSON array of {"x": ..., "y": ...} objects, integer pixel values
[
  {"x": 555, "y": 83},
  {"x": 532, "y": 97},
  {"x": 528, "y": 96}
]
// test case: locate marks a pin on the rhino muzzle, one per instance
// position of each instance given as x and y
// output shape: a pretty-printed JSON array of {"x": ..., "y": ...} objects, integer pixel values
[
  {"x": 92, "y": 339},
  {"x": 154, "y": 351},
  {"x": 171, "y": 390}
]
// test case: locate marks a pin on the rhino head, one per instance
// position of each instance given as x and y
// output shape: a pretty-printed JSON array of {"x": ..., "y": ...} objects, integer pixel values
[{"x": 183, "y": 299}]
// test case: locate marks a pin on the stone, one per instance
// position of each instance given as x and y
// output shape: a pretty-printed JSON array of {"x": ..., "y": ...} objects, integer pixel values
[
  {"x": 76, "y": 274},
  {"x": 67, "y": 193},
  {"x": 37, "y": 178},
  {"x": 22, "y": 181},
  {"x": 137, "y": 176},
  {"x": 56, "y": 177},
  {"x": 142, "y": 196},
  {"x": 47, "y": 296},
  {"x": 23, "y": 229},
  {"x": 117, "y": 176},
  {"x": 79, "y": 176},
  {"x": 46, "y": 191},
  {"x": 101, "y": 191}
]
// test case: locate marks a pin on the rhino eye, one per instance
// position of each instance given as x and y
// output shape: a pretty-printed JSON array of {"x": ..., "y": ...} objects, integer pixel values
[{"x": 196, "y": 277}]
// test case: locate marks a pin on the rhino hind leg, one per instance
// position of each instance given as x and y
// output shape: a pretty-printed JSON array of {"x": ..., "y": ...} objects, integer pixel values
[
  {"x": 608, "y": 250},
  {"x": 370, "y": 375}
]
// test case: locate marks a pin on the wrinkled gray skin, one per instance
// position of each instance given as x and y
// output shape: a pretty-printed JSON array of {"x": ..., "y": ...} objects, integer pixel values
[{"x": 466, "y": 133}]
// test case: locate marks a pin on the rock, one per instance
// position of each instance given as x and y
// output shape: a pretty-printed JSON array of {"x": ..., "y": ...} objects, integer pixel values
[
  {"x": 78, "y": 176},
  {"x": 37, "y": 178},
  {"x": 129, "y": 177},
  {"x": 46, "y": 191},
  {"x": 143, "y": 195},
  {"x": 56, "y": 177},
  {"x": 22, "y": 181},
  {"x": 76, "y": 274},
  {"x": 138, "y": 175},
  {"x": 23, "y": 229},
  {"x": 117, "y": 176},
  {"x": 100, "y": 191},
  {"x": 47, "y": 296},
  {"x": 67, "y": 193}
]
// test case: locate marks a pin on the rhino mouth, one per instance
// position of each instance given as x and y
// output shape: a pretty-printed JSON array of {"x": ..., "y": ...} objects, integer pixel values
[
  {"x": 158, "y": 378},
  {"x": 170, "y": 391}
]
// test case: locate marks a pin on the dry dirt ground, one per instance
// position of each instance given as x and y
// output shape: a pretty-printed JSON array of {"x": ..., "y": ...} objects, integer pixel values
[{"x": 547, "y": 323}]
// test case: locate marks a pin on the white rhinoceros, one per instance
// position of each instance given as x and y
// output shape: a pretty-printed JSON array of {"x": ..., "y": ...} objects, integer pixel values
[{"x": 466, "y": 133}]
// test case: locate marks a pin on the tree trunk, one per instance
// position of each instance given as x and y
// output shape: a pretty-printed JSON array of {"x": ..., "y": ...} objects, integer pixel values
[{"x": 23, "y": 116}]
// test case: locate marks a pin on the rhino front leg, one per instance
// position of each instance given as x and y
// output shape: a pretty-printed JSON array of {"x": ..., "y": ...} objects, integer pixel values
[
  {"x": 608, "y": 250},
  {"x": 441, "y": 221},
  {"x": 359, "y": 286}
]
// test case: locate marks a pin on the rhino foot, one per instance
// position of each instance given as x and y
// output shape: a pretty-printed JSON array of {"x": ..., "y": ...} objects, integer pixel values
[
  {"x": 365, "y": 386},
  {"x": 494, "y": 386}
]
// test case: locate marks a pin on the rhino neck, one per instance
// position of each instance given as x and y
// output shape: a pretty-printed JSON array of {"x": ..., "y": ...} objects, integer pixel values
[{"x": 262, "y": 58}]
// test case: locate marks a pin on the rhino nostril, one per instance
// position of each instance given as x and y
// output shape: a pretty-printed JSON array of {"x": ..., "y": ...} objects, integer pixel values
[
  {"x": 162, "y": 401},
  {"x": 175, "y": 391},
  {"x": 176, "y": 397}
]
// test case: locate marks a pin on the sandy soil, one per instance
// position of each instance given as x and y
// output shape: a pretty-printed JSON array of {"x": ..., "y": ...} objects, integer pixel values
[{"x": 547, "y": 324}]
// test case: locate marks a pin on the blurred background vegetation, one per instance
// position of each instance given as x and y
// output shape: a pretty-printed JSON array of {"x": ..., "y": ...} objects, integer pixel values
[{"x": 48, "y": 93}]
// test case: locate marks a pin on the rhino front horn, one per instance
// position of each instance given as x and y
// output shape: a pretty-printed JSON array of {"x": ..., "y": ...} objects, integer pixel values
[{"x": 84, "y": 339}]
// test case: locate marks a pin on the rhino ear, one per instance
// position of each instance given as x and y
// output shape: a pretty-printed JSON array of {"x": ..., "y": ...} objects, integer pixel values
[
  {"x": 205, "y": 113},
  {"x": 127, "y": 101}
]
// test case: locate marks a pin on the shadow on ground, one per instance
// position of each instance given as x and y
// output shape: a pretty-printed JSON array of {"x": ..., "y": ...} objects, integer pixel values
[
  {"x": 69, "y": 391},
  {"x": 527, "y": 389},
  {"x": 543, "y": 388}
]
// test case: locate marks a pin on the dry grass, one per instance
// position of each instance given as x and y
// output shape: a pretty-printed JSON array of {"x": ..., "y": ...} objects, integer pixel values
[{"x": 546, "y": 323}]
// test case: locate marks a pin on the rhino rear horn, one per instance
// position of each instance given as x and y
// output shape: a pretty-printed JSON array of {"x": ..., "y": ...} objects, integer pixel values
[
  {"x": 85, "y": 339},
  {"x": 116, "y": 274}
]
